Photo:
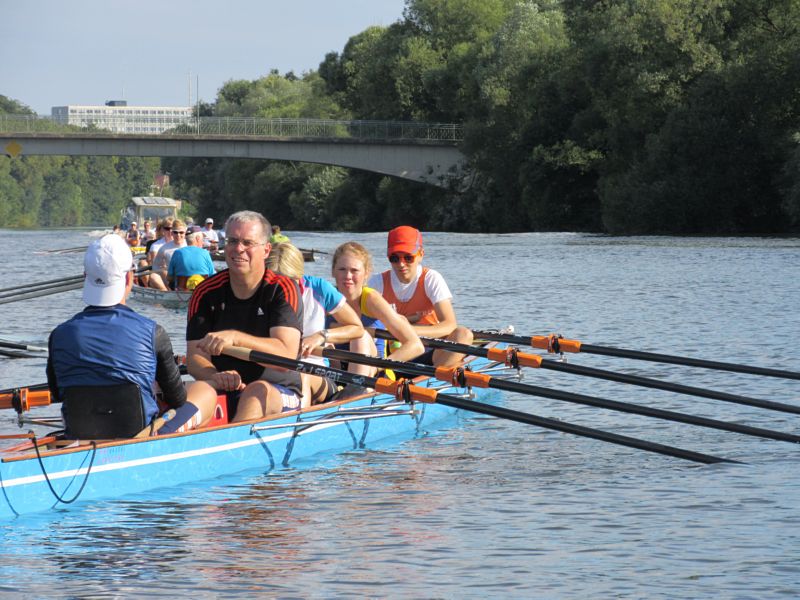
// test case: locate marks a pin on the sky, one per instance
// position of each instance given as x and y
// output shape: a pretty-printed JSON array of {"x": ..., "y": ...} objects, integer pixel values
[{"x": 58, "y": 52}]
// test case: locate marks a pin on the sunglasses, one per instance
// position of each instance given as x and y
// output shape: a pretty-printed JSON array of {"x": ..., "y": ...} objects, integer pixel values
[
  {"x": 166, "y": 228},
  {"x": 406, "y": 258},
  {"x": 176, "y": 232}
]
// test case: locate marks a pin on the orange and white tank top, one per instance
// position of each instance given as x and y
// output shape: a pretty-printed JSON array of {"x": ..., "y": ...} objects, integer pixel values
[{"x": 418, "y": 304}]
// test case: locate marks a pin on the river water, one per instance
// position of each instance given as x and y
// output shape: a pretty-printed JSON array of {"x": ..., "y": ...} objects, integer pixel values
[{"x": 485, "y": 507}]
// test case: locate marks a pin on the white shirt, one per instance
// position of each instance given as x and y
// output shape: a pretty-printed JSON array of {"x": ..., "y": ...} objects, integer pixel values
[
  {"x": 209, "y": 235},
  {"x": 161, "y": 262},
  {"x": 435, "y": 286}
]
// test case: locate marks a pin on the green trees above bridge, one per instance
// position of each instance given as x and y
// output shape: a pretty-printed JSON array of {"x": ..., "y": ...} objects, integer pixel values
[{"x": 658, "y": 116}]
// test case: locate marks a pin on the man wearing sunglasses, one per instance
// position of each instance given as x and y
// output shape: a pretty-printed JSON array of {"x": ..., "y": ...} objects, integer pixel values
[{"x": 420, "y": 294}]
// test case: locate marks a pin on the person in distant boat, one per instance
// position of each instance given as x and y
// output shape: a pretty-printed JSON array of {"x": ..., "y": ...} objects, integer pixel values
[
  {"x": 189, "y": 261},
  {"x": 277, "y": 237},
  {"x": 147, "y": 234},
  {"x": 210, "y": 236},
  {"x": 351, "y": 265},
  {"x": 158, "y": 275},
  {"x": 103, "y": 362},
  {"x": 251, "y": 306},
  {"x": 133, "y": 235},
  {"x": 420, "y": 294},
  {"x": 320, "y": 299},
  {"x": 163, "y": 231},
  {"x": 163, "y": 236}
]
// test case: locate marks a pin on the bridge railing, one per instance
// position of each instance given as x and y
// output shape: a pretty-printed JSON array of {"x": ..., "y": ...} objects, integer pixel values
[{"x": 123, "y": 125}]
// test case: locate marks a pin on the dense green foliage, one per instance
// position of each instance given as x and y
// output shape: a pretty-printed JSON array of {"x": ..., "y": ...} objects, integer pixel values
[
  {"x": 59, "y": 191},
  {"x": 624, "y": 116}
]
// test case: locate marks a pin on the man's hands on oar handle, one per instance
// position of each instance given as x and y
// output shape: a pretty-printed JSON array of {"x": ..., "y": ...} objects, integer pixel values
[{"x": 213, "y": 344}]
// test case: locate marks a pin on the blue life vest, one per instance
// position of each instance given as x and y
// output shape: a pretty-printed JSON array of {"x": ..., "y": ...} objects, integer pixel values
[{"x": 107, "y": 346}]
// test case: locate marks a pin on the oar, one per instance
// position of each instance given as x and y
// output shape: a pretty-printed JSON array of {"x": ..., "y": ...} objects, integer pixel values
[
  {"x": 403, "y": 390},
  {"x": 513, "y": 358},
  {"x": 62, "y": 250},
  {"x": 314, "y": 250},
  {"x": 17, "y": 346},
  {"x": 21, "y": 289},
  {"x": 41, "y": 283},
  {"x": 43, "y": 289},
  {"x": 553, "y": 343},
  {"x": 463, "y": 378},
  {"x": 18, "y": 354},
  {"x": 43, "y": 292}
]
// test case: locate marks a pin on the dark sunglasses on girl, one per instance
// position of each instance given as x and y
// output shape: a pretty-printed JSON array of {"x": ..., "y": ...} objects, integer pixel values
[{"x": 406, "y": 258}]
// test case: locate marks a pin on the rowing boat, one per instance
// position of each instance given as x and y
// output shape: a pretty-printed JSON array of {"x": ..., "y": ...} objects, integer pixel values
[
  {"x": 165, "y": 298},
  {"x": 36, "y": 477}
]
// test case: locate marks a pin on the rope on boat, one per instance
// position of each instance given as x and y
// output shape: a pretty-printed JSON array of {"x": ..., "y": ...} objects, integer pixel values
[{"x": 56, "y": 495}]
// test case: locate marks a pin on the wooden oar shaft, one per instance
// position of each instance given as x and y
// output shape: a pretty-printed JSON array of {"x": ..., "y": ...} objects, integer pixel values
[
  {"x": 478, "y": 407},
  {"x": 533, "y": 390},
  {"x": 537, "y": 341},
  {"x": 623, "y": 378}
]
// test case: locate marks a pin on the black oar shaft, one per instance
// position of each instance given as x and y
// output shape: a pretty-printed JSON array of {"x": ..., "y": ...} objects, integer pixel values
[
  {"x": 41, "y": 287},
  {"x": 533, "y": 390},
  {"x": 45, "y": 292},
  {"x": 17, "y": 346},
  {"x": 647, "y": 356},
  {"x": 669, "y": 386},
  {"x": 613, "y": 438},
  {"x": 689, "y": 362},
  {"x": 631, "y": 379},
  {"x": 481, "y": 408},
  {"x": 41, "y": 283}
]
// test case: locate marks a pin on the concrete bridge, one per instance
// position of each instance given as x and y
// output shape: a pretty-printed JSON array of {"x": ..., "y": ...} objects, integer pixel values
[{"x": 417, "y": 151}]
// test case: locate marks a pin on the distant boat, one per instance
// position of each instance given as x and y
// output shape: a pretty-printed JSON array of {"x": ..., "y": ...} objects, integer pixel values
[
  {"x": 165, "y": 298},
  {"x": 148, "y": 208}
]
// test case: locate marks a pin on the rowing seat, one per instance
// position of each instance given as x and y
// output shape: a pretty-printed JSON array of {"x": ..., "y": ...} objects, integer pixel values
[{"x": 103, "y": 411}]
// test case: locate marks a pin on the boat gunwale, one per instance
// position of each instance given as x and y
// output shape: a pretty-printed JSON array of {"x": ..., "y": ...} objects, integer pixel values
[{"x": 113, "y": 443}]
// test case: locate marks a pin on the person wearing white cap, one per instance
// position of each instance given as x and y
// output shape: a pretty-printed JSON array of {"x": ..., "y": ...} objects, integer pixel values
[
  {"x": 104, "y": 361},
  {"x": 210, "y": 236}
]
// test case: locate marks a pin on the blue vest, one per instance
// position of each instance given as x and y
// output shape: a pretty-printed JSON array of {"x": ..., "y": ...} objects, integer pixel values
[{"x": 107, "y": 346}]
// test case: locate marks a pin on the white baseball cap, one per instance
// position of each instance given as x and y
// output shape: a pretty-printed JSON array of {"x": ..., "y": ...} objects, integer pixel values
[
  {"x": 107, "y": 261},
  {"x": 210, "y": 220}
]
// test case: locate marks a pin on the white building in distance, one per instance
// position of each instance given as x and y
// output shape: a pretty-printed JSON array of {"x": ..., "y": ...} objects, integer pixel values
[{"x": 118, "y": 117}]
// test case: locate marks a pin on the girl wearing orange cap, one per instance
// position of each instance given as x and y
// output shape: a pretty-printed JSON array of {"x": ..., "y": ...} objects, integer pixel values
[{"x": 420, "y": 294}]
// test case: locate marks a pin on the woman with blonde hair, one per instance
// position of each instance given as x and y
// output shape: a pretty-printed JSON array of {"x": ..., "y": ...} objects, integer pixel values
[
  {"x": 320, "y": 299},
  {"x": 351, "y": 266}
]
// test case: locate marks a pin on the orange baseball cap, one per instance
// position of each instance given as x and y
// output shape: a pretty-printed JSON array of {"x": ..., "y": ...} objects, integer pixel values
[{"x": 404, "y": 239}]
